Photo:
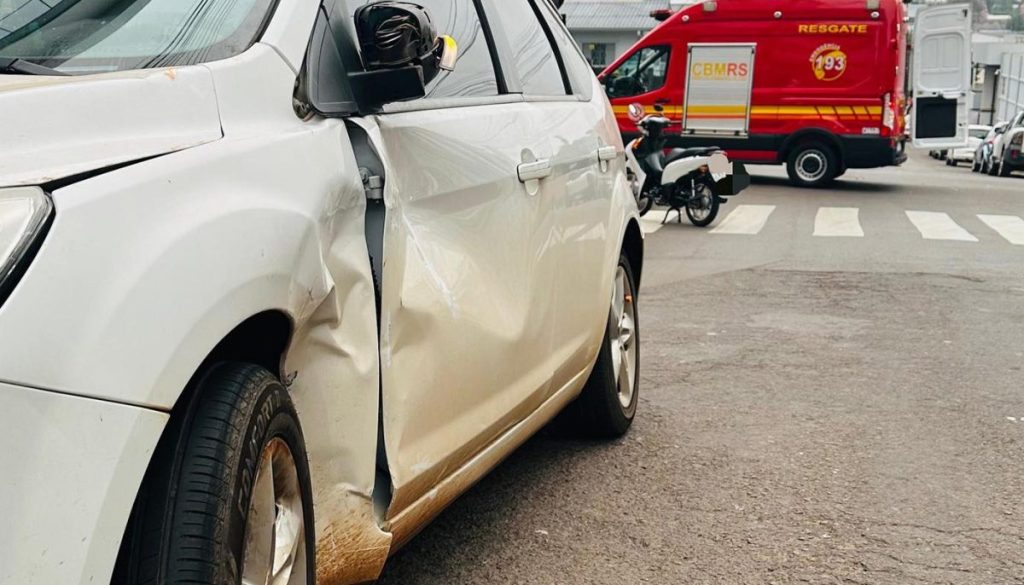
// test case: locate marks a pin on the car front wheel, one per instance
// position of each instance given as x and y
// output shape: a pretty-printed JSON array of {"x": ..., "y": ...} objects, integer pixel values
[
  {"x": 228, "y": 498},
  {"x": 607, "y": 406}
]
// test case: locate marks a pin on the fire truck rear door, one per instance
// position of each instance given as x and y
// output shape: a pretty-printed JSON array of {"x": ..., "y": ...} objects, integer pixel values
[
  {"x": 719, "y": 83},
  {"x": 942, "y": 76}
]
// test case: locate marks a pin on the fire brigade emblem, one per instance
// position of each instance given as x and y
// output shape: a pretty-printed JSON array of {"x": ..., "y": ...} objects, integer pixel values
[{"x": 829, "y": 62}]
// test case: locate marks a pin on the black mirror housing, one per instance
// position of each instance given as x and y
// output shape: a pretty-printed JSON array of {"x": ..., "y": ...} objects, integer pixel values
[
  {"x": 339, "y": 81},
  {"x": 374, "y": 89}
]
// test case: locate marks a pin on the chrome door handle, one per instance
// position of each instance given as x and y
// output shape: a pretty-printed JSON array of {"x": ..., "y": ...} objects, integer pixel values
[
  {"x": 607, "y": 153},
  {"x": 533, "y": 171}
]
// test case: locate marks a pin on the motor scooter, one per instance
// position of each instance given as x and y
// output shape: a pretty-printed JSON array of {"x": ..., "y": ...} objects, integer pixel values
[{"x": 694, "y": 179}]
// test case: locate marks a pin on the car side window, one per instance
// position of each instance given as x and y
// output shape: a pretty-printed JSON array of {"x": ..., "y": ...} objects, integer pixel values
[
  {"x": 643, "y": 72},
  {"x": 581, "y": 75},
  {"x": 474, "y": 74},
  {"x": 533, "y": 57}
]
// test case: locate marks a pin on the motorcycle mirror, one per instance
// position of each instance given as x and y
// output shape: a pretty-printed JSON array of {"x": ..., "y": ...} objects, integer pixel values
[{"x": 636, "y": 112}]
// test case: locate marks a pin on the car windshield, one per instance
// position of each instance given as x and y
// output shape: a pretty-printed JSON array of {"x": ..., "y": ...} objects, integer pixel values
[{"x": 93, "y": 36}]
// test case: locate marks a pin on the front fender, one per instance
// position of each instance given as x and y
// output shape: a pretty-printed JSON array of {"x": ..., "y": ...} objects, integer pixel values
[{"x": 145, "y": 269}]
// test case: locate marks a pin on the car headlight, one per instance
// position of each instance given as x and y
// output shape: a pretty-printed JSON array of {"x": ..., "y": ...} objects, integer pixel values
[{"x": 24, "y": 215}]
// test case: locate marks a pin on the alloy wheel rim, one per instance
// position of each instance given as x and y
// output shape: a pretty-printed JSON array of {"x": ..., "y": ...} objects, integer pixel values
[
  {"x": 701, "y": 212},
  {"x": 275, "y": 532},
  {"x": 811, "y": 165},
  {"x": 622, "y": 335}
]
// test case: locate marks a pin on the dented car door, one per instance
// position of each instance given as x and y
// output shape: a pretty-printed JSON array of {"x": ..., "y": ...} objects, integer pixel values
[{"x": 467, "y": 302}]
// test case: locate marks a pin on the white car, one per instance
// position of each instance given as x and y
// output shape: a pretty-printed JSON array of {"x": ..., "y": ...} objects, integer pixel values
[
  {"x": 277, "y": 285},
  {"x": 976, "y": 133},
  {"x": 1008, "y": 149}
]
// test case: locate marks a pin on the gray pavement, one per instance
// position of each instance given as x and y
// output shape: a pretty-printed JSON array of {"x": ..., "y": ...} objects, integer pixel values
[{"x": 814, "y": 410}]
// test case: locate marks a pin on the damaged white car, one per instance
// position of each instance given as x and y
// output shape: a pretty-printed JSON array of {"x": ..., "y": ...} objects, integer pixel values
[{"x": 280, "y": 280}]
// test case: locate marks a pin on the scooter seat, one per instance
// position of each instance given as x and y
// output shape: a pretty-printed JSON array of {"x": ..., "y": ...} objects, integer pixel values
[{"x": 680, "y": 153}]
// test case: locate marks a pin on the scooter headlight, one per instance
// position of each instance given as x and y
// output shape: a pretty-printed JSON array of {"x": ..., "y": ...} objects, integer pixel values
[{"x": 24, "y": 212}]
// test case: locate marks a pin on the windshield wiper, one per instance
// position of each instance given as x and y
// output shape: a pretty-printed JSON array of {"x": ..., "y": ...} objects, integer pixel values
[{"x": 22, "y": 67}]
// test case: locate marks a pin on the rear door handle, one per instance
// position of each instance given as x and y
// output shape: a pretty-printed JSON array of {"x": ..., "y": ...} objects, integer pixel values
[
  {"x": 607, "y": 153},
  {"x": 533, "y": 171}
]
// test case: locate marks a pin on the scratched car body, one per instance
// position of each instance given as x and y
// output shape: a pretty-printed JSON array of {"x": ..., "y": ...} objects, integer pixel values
[{"x": 258, "y": 328}]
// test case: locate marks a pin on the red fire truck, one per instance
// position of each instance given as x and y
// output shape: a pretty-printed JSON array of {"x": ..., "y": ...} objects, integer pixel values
[{"x": 817, "y": 85}]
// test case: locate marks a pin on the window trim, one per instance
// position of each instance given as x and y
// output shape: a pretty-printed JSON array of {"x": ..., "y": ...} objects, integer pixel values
[
  {"x": 506, "y": 55},
  {"x": 494, "y": 45},
  {"x": 586, "y": 90},
  {"x": 566, "y": 83}
]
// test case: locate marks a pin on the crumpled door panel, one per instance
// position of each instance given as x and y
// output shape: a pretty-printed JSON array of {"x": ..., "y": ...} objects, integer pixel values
[{"x": 467, "y": 302}]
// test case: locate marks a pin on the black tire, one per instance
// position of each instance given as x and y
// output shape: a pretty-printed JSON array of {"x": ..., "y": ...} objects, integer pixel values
[
  {"x": 950, "y": 162},
  {"x": 1004, "y": 169},
  {"x": 993, "y": 168},
  {"x": 189, "y": 521},
  {"x": 812, "y": 164},
  {"x": 712, "y": 212},
  {"x": 598, "y": 412}
]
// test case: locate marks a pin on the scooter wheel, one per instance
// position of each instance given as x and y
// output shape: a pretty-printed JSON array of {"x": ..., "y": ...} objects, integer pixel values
[{"x": 704, "y": 215}]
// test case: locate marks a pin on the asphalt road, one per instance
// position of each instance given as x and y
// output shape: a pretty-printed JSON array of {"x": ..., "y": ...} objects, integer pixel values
[{"x": 814, "y": 409}]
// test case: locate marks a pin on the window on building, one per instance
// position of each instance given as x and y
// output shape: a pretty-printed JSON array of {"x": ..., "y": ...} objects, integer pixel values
[
  {"x": 643, "y": 72},
  {"x": 599, "y": 54}
]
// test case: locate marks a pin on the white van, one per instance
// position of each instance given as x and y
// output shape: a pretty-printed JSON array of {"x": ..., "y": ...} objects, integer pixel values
[{"x": 280, "y": 280}]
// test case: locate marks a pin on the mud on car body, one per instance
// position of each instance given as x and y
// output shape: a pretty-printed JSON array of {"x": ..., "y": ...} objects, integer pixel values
[{"x": 271, "y": 299}]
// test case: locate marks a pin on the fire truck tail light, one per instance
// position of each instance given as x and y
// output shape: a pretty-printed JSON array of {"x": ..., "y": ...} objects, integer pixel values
[{"x": 888, "y": 112}]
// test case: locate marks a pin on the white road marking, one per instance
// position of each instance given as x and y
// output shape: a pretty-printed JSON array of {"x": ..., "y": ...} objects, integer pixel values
[
  {"x": 838, "y": 222},
  {"x": 1010, "y": 227},
  {"x": 935, "y": 225},
  {"x": 746, "y": 220}
]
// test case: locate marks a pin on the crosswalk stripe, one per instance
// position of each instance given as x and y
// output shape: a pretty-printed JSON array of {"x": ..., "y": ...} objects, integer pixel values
[
  {"x": 745, "y": 219},
  {"x": 839, "y": 222},
  {"x": 1010, "y": 227},
  {"x": 935, "y": 225}
]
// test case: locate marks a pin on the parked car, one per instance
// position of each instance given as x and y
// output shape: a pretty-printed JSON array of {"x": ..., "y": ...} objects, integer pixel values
[
  {"x": 983, "y": 154},
  {"x": 976, "y": 133},
  {"x": 1008, "y": 149},
  {"x": 279, "y": 282}
]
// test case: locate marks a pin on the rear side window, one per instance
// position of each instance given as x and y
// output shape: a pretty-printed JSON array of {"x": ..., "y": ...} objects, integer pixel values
[
  {"x": 576, "y": 66},
  {"x": 532, "y": 54},
  {"x": 645, "y": 71},
  {"x": 474, "y": 72}
]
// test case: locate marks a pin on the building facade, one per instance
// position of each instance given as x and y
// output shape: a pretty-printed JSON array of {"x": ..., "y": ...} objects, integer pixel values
[{"x": 604, "y": 29}]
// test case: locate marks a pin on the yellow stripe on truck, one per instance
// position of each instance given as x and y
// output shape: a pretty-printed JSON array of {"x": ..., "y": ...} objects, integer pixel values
[{"x": 784, "y": 112}]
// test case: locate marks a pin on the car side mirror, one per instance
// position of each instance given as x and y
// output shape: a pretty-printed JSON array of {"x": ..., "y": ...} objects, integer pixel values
[{"x": 401, "y": 53}]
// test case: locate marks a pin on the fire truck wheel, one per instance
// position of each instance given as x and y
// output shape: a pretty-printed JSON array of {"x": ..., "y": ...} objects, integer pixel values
[{"x": 812, "y": 164}]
